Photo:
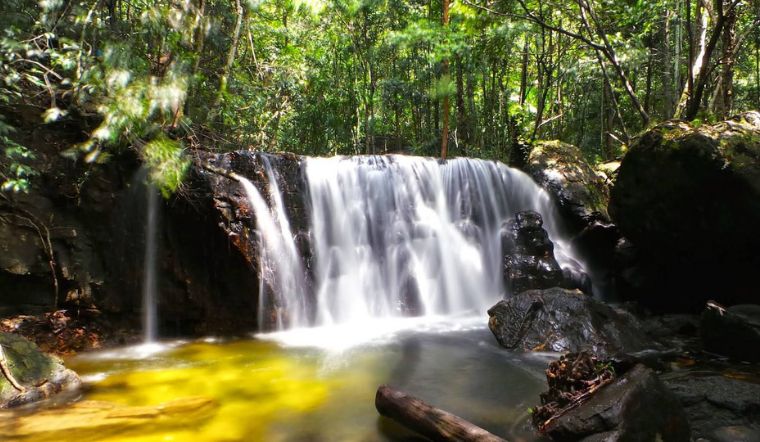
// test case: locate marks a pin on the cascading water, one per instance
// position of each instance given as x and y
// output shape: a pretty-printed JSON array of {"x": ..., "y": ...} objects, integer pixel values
[
  {"x": 394, "y": 236},
  {"x": 150, "y": 283},
  {"x": 282, "y": 278}
]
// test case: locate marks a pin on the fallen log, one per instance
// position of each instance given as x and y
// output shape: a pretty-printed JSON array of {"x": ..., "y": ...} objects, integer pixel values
[{"x": 427, "y": 420}]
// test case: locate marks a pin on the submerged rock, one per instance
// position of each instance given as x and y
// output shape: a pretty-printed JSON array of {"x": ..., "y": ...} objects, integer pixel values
[
  {"x": 732, "y": 331},
  {"x": 634, "y": 407},
  {"x": 580, "y": 193},
  {"x": 31, "y": 375},
  {"x": 562, "y": 320},
  {"x": 688, "y": 199}
]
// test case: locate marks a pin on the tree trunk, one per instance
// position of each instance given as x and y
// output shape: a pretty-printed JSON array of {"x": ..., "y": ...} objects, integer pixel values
[
  {"x": 463, "y": 126},
  {"x": 667, "y": 78},
  {"x": 694, "y": 101},
  {"x": 223, "y": 79},
  {"x": 444, "y": 75},
  {"x": 724, "y": 99},
  {"x": 586, "y": 8},
  {"x": 429, "y": 421},
  {"x": 524, "y": 74}
]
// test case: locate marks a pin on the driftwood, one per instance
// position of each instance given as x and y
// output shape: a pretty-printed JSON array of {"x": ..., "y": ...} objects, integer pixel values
[
  {"x": 427, "y": 420},
  {"x": 6, "y": 370}
]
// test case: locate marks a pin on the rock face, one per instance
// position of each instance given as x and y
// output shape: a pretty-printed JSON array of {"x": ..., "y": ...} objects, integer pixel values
[
  {"x": 213, "y": 218},
  {"x": 562, "y": 320},
  {"x": 688, "y": 199},
  {"x": 66, "y": 216},
  {"x": 719, "y": 404},
  {"x": 38, "y": 375},
  {"x": 733, "y": 332},
  {"x": 581, "y": 194},
  {"x": 635, "y": 407}
]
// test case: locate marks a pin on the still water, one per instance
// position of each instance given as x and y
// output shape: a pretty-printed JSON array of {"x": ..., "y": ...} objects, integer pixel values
[{"x": 286, "y": 388}]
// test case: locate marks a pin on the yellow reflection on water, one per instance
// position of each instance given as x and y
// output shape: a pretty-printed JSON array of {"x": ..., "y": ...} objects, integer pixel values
[
  {"x": 200, "y": 391},
  {"x": 253, "y": 390}
]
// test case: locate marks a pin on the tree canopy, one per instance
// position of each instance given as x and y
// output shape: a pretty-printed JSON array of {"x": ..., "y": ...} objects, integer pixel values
[{"x": 326, "y": 77}]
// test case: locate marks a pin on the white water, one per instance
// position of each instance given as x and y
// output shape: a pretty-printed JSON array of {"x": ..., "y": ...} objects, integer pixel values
[
  {"x": 392, "y": 236},
  {"x": 282, "y": 288},
  {"x": 150, "y": 285}
]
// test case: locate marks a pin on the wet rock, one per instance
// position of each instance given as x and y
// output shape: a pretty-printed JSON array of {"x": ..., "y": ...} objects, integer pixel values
[
  {"x": 714, "y": 402},
  {"x": 529, "y": 261},
  {"x": 578, "y": 190},
  {"x": 635, "y": 407},
  {"x": 525, "y": 272},
  {"x": 688, "y": 199},
  {"x": 670, "y": 325},
  {"x": 732, "y": 331},
  {"x": 562, "y": 320},
  {"x": 37, "y": 376},
  {"x": 735, "y": 433}
]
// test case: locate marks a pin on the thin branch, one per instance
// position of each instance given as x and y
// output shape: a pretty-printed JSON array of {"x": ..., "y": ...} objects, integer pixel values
[{"x": 530, "y": 16}]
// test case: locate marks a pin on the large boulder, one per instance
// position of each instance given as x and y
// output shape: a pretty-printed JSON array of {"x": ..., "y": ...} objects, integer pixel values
[
  {"x": 29, "y": 375},
  {"x": 563, "y": 320},
  {"x": 688, "y": 199},
  {"x": 732, "y": 331},
  {"x": 719, "y": 408},
  {"x": 581, "y": 194},
  {"x": 634, "y": 407}
]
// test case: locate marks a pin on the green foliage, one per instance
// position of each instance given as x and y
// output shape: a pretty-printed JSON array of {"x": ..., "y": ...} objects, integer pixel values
[
  {"x": 17, "y": 174},
  {"x": 348, "y": 76},
  {"x": 167, "y": 163}
]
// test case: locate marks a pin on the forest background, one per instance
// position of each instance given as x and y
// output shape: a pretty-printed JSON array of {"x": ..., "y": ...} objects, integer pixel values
[{"x": 481, "y": 78}]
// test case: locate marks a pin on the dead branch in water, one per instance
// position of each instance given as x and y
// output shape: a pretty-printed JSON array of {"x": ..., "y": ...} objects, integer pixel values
[{"x": 427, "y": 420}]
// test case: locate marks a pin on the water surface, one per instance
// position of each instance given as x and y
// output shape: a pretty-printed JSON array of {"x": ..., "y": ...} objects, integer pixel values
[{"x": 270, "y": 390}]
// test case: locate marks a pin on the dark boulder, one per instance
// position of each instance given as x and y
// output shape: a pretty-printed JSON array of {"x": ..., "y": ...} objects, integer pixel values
[
  {"x": 688, "y": 199},
  {"x": 634, "y": 407},
  {"x": 529, "y": 261},
  {"x": 578, "y": 190},
  {"x": 562, "y": 320},
  {"x": 714, "y": 402},
  {"x": 732, "y": 331},
  {"x": 33, "y": 375}
]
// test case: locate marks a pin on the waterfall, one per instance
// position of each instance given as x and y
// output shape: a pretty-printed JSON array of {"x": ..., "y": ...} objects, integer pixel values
[
  {"x": 282, "y": 278},
  {"x": 150, "y": 283},
  {"x": 393, "y": 236}
]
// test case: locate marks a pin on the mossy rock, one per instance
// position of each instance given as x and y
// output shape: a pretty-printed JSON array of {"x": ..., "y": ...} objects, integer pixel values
[
  {"x": 39, "y": 374},
  {"x": 688, "y": 198},
  {"x": 581, "y": 193}
]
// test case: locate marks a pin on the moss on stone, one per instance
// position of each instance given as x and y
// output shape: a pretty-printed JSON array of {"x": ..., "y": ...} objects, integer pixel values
[
  {"x": 563, "y": 171},
  {"x": 29, "y": 366}
]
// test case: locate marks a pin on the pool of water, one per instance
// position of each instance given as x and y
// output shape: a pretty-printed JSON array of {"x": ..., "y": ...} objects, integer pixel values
[{"x": 302, "y": 386}]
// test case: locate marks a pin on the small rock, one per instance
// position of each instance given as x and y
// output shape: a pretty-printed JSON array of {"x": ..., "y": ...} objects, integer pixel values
[
  {"x": 736, "y": 434},
  {"x": 732, "y": 331}
]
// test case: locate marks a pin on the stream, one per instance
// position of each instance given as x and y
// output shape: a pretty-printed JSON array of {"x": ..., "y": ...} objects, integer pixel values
[{"x": 300, "y": 385}]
